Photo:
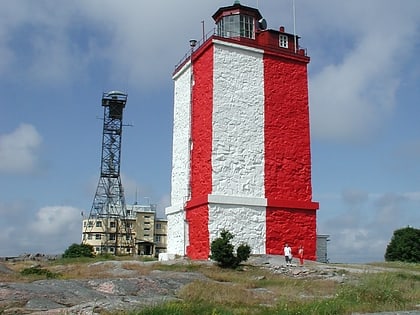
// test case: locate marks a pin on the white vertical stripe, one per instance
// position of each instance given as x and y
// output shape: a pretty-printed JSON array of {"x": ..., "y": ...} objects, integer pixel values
[
  {"x": 238, "y": 121},
  {"x": 180, "y": 161}
]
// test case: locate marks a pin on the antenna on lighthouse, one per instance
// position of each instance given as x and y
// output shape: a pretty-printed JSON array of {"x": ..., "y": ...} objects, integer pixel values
[{"x": 294, "y": 23}]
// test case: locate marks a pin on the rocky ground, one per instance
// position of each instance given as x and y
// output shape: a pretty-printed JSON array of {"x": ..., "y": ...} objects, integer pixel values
[{"x": 124, "y": 288}]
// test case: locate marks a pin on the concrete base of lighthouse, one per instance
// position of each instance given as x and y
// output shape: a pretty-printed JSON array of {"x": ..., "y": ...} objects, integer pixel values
[{"x": 263, "y": 224}]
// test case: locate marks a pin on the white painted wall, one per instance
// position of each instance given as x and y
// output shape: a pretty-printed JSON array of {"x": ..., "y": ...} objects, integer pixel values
[
  {"x": 246, "y": 223},
  {"x": 176, "y": 233},
  {"x": 238, "y": 121},
  {"x": 237, "y": 202},
  {"x": 180, "y": 161}
]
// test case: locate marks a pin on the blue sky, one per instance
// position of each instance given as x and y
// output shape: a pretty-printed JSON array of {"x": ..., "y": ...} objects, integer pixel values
[{"x": 57, "y": 57}]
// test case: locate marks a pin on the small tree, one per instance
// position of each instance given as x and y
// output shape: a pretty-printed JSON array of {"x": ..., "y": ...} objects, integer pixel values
[
  {"x": 79, "y": 250},
  {"x": 222, "y": 251},
  {"x": 404, "y": 246}
]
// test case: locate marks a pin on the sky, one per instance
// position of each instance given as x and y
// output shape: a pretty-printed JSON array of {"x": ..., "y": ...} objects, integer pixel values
[{"x": 57, "y": 57}]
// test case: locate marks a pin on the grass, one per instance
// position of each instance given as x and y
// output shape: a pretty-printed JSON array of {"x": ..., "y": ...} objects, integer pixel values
[
  {"x": 253, "y": 290},
  {"x": 259, "y": 292}
]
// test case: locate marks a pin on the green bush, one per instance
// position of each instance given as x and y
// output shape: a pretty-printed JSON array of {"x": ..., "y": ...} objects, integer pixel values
[
  {"x": 404, "y": 246},
  {"x": 38, "y": 271},
  {"x": 79, "y": 250},
  {"x": 222, "y": 251}
]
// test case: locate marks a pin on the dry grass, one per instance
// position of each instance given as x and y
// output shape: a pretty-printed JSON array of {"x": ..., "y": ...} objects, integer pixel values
[
  {"x": 254, "y": 286},
  {"x": 78, "y": 269},
  {"x": 225, "y": 293},
  {"x": 253, "y": 290}
]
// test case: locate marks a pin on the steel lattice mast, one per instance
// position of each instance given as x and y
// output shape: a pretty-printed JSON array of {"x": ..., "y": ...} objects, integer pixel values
[{"x": 108, "y": 216}]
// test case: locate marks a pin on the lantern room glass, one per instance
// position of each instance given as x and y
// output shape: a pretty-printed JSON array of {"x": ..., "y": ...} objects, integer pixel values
[{"x": 236, "y": 25}]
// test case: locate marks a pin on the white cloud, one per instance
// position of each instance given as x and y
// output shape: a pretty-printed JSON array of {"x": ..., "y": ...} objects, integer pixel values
[
  {"x": 361, "y": 232},
  {"x": 48, "y": 230},
  {"x": 19, "y": 150},
  {"x": 352, "y": 98},
  {"x": 53, "y": 221}
]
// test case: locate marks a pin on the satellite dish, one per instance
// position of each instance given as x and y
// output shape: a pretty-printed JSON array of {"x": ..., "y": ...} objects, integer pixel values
[{"x": 262, "y": 24}]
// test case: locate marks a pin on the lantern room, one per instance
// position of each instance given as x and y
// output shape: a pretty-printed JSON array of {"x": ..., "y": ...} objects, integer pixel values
[
  {"x": 238, "y": 21},
  {"x": 246, "y": 24}
]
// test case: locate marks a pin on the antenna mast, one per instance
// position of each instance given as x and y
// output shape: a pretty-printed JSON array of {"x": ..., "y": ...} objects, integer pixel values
[
  {"x": 294, "y": 24},
  {"x": 107, "y": 221}
]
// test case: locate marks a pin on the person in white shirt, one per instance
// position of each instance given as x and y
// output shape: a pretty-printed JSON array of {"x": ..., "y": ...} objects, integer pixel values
[{"x": 288, "y": 254}]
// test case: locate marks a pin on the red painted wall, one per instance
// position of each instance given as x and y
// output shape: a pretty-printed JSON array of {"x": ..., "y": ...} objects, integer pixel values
[
  {"x": 287, "y": 142},
  {"x": 293, "y": 226},
  {"x": 287, "y": 156},
  {"x": 201, "y": 171},
  {"x": 198, "y": 247}
]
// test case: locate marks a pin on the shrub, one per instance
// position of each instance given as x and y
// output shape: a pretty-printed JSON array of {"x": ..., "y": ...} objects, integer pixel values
[
  {"x": 38, "y": 271},
  {"x": 222, "y": 251},
  {"x": 79, "y": 250},
  {"x": 404, "y": 246}
]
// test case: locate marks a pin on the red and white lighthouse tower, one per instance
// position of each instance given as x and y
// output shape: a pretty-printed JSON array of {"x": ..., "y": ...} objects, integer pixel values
[{"x": 241, "y": 141}]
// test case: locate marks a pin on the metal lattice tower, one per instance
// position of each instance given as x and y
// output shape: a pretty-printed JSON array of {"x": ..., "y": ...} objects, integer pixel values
[{"x": 108, "y": 215}]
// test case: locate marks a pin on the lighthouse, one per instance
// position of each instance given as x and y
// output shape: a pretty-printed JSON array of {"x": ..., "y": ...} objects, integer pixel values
[{"x": 241, "y": 140}]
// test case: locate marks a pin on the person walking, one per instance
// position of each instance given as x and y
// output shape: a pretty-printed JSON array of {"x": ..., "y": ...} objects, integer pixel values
[
  {"x": 300, "y": 253},
  {"x": 288, "y": 255}
]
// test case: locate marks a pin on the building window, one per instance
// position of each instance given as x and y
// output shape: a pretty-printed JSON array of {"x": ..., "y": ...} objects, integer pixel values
[
  {"x": 90, "y": 224},
  {"x": 236, "y": 25},
  {"x": 98, "y": 249},
  {"x": 146, "y": 234},
  {"x": 89, "y": 236},
  {"x": 158, "y": 226},
  {"x": 157, "y": 238},
  {"x": 112, "y": 224},
  {"x": 112, "y": 237},
  {"x": 283, "y": 41},
  {"x": 147, "y": 216},
  {"x": 97, "y": 236},
  {"x": 98, "y": 223}
]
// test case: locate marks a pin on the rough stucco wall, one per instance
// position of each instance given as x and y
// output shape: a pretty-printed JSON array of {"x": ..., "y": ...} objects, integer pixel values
[
  {"x": 287, "y": 142},
  {"x": 176, "y": 233},
  {"x": 201, "y": 172},
  {"x": 259, "y": 147},
  {"x": 202, "y": 108},
  {"x": 181, "y": 136},
  {"x": 246, "y": 223},
  {"x": 288, "y": 159},
  {"x": 238, "y": 144},
  {"x": 198, "y": 247},
  {"x": 180, "y": 161},
  {"x": 292, "y": 226},
  {"x": 238, "y": 121}
]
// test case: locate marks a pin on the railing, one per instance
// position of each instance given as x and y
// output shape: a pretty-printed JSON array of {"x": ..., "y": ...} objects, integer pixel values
[
  {"x": 198, "y": 44},
  {"x": 300, "y": 50}
]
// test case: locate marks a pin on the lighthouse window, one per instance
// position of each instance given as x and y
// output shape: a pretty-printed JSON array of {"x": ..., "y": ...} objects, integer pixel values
[
  {"x": 236, "y": 26},
  {"x": 283, "y": 41},
  {"x": 247, "y": 26}
]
